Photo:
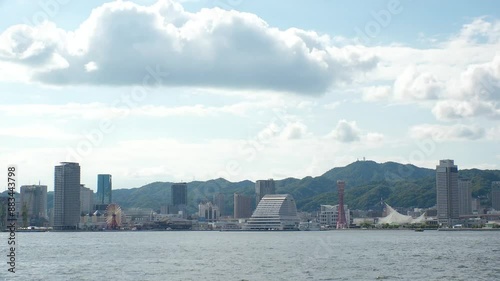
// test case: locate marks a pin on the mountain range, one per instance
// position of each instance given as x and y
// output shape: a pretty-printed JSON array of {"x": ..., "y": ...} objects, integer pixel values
[{"x": 367, "y": 183}]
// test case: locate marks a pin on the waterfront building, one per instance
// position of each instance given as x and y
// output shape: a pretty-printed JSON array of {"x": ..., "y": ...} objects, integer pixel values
[
  {"x": 178, "y": 198},
  {"x": 464, "y": 197},
  {"x": 104, "y": 189},
  {"x": 495, "y": 195},
  {"x": 476, "y": 206},
  {"x": 394, "y": 217},
  {"x": 86, "y": 200},
  {"x": 208, "y": 211},
  {"x": 242, "y": 206},
  {"x": 34, "y": 203},
  {"x": 447, "y": 192},
  {"x": 219, "y": 202},
  {"x": 263, "y": 187},
  {"x": 274, "y": 212},
  {"x": 329, "y": 215},
  {"x": 66, "y": 196}
]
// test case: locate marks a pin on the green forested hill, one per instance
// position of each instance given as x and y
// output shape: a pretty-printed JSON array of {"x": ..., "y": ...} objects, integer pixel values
[{"x": 367, "y": 182}]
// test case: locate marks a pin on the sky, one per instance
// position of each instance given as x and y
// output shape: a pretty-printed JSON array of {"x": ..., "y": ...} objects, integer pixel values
[{"x": 195, "y": 90}]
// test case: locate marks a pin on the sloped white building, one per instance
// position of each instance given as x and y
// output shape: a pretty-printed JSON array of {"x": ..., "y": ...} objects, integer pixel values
[{"x": 274, "y": 212}]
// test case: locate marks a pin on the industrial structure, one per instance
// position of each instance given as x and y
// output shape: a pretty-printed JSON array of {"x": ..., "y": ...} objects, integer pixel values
[{"x": 341, "y": 222}]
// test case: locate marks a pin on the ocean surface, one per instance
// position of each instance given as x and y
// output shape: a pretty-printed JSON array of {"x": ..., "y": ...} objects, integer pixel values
[{"x": 190, "y": 255}]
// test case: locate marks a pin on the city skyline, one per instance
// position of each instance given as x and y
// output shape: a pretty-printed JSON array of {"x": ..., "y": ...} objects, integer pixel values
[{"x": 352, "y": 81}]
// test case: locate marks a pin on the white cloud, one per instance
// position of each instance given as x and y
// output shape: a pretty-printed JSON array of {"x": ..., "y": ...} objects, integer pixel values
[
  {"x": 295, "y": 130},
  {"x": 447, "y": 133},
  {"x": 37, "y": 132},
  {"x": 477, "y": 93},
  {"x": 332, "y": 105},
  {"x": 210, "y": 48},
  {"x": 374, "y": 138},
  {"x": 346, "y": 131},
  {"x": 376, "y": 93},
  {"x": 413, "y": 85},
  {"x": 97, "y": 110},
  {"x": 91, "y": 66}
]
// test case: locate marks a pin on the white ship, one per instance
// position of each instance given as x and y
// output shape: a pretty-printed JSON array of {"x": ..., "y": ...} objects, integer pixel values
[{"x": 309, "y": 226}]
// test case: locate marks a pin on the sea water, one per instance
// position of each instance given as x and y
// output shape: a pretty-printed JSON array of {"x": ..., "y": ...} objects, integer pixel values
[{"x": 308, "y": 255}]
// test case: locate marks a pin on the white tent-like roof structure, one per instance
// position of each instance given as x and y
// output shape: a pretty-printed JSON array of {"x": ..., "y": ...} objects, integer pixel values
[{"x": 394, "y": 217}]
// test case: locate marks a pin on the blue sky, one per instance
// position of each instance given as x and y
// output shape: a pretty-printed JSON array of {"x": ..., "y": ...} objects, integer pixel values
[{"x": 182, "y": 90}]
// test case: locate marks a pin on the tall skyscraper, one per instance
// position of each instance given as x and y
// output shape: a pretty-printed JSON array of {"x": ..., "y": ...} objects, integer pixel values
[
  {"x": 447, "y": 192},
  {"x": 104, "y": 189},
  {"x": 464, "y": 197},
  {"x": 495, "y": 195},
  {"x": 341, "y": 222},
  {"x": 34, "y": 202},
  {"x": 219, "y": 202},
  {"x": 66, "y": 196},
  {"x": 242, "y": 206},
  {"x": 178, "y": 197},
  {"x": 86, "y": 199},
  {"x": 263, "y": 187}
]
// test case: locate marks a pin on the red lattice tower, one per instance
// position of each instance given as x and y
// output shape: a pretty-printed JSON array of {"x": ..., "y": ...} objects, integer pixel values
[{"x": 341, "y": 220}]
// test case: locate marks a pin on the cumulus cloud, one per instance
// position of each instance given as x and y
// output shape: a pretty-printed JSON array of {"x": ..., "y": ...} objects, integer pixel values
[
  {"x": 478, "y": 31},
  {"x": 295, "y": 130},
  {"x": 376, "y": 93},
  {"x": 213, "y": 47},
  {"x": 349, "y": 132},
  {"x": 447, "y": 133},
  {"x": 413, "y": 85},
  {"x": 346, "y": 131},
  {"x": 477, "y": 94}
]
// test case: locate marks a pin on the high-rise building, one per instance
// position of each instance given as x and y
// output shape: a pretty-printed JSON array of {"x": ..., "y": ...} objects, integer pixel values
[
  {"x": 86, "y": 200},
  {"x": 476, "y": 206},
  {"x": 219, "y": 202},
  {"x": 66, "y": 196},
  {"x": 263, "y": 187},
  {"x": 495, "y": 195},
  {"x": 464, "y": 197},
  {"x": 447, "y": 192},
  {"x": 242, "y": 206},
  {"x": 104, "y": 189},
  {"x": 178, "y": 198},
  {"x": 208, "y": 211},
  {"x": 34, "y": 203}
]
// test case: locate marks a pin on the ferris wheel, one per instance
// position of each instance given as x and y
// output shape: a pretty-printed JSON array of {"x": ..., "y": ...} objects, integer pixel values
[{"x": 113, "y": 216}]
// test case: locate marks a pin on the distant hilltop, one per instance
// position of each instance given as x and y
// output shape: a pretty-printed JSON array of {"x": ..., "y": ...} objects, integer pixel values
[{"x": 367, "y": 182}]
